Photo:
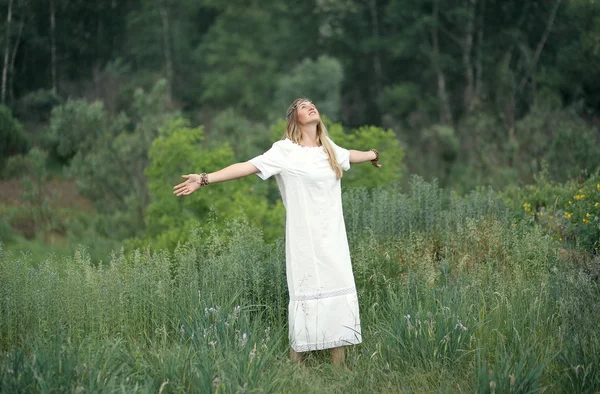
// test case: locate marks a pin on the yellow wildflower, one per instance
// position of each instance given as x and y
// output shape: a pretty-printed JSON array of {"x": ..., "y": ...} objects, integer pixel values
[
  {"x": 527, "y": 206},
  {"x": 585, "y": 221},
  {"x": 560, "y": 238},
  {"x": 588, "y": 215},
  {"x": 550, "y": 217},
  {"x": 598, "y": 187},
  {"x": 570, "y": 202},
  {"x": 579, "y": 196},
  {"x": 596, "y": 204},
  {"x": 568, "y": 215}
]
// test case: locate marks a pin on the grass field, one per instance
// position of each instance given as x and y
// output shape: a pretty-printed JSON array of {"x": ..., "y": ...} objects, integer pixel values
[{"x": 455, "y": 296}]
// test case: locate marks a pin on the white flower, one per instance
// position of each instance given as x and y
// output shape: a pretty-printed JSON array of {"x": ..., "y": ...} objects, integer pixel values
[
  {"x": 211, "y": 311},
  {"x": 460, "y": 326}
]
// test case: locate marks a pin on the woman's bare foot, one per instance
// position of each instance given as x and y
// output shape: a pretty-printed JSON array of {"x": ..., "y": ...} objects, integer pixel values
[
  {"x": 296, "y": 356},
  {"x": 338, "y": 357}
]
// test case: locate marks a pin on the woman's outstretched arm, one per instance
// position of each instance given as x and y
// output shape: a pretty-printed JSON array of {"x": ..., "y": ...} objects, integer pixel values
[
  {"x": 234, "y": 171},
  {"x": 357, "y": 156}
]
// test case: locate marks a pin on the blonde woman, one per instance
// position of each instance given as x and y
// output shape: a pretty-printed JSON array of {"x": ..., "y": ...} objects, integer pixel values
[{"x": 307, "y": 164}]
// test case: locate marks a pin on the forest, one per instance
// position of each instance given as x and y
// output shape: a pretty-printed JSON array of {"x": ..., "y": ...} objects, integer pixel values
[{"x": 474, "y": 247}]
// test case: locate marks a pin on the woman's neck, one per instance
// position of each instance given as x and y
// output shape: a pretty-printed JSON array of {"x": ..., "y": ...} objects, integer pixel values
[{"x": 309, "y": 135}]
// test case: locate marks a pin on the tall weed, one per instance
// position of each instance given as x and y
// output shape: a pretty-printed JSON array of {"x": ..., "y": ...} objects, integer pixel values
[{"x": 455, "y": 295}]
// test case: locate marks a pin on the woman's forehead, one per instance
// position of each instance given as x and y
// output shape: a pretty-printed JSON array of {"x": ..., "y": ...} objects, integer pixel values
[
  {"x": 297, "y": 103},
  {"x": 303, "y": 101}
]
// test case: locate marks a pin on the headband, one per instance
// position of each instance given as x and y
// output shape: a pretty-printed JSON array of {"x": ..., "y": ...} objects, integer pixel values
[{"x": 294, "y": 107}]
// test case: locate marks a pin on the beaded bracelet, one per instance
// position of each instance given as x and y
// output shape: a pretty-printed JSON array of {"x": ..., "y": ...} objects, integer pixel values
[
  {"x": 375, "y": 161},
  {"x": 203, "y": 179}
]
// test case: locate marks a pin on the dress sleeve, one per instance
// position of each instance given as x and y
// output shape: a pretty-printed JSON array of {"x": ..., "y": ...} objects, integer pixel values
[
  {"x": 342, "y": 155},
  {"x": 269, "y": 163}
]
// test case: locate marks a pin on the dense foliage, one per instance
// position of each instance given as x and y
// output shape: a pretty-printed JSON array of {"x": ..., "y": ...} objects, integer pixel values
[
  {"x": 12, "y": 138},
  {"x": 471, "y": 93},
  {"x": 104, "y": 104},
  {"x": 481, "y": 91}
]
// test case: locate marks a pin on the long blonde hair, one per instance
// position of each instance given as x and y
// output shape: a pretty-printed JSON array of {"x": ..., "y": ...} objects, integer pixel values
[{"x": 294, "y": 133}]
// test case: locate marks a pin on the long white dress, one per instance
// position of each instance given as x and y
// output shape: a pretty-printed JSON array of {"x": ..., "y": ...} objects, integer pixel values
[{"x": 323, "y": 308}]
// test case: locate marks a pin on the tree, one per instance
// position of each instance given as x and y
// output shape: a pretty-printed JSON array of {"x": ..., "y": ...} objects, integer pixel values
[
  {"x": 12, "y": 136},
  {"x": 75, "y": 126},
  {"x": 364, "y": 138},
  {"x": 391, "y": 156},
  {"x": 110, "y": 169},
  {"x": 179, "y": 150},
  {"x": 6, "y": 50},
  {"x": 319, "y": 80},
  {"x": 245, "y": 137}
]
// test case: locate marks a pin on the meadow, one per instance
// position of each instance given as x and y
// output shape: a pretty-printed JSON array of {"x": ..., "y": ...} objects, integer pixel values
[
  {"x": 109, "y": 283},
  {"x": 457, "y": 294}
]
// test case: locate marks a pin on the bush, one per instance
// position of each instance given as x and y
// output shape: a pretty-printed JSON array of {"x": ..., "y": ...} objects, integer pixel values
[
  {"x": 561, "y": 139},
  {"x": 400, "y": 100},
  {"x": 569, "y": 212},
  {"x": 37, "y": 105},
  {"x": 74, "y": 126},
  {"x": 179, "y": 150},
  {"x": 391, "y": 155},
  {"x": 6, "y": 231},
  {"x": 12, "y": 137}
]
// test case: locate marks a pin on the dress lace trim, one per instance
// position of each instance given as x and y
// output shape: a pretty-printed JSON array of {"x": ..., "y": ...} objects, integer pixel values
[
  {"x": 327, "y": 345},
  {"x": 317, "y": 296}
]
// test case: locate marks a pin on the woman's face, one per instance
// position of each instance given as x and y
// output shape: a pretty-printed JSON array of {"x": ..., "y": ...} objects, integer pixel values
[{"x": 307, "y": 113}]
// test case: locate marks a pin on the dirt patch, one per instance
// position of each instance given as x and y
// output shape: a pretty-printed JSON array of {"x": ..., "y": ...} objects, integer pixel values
[{"x": 61, "y": 194}]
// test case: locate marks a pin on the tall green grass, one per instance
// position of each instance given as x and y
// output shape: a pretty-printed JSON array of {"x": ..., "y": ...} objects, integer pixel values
[{"x": 454, "y": 297}]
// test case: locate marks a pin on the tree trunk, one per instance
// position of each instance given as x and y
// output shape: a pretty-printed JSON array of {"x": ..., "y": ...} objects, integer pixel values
[
  {"x": 445, "y": 113},
  {"x": 11, "y": 68},
  {"x": 164, "y": 13},
  {"x": 479, "y": 51},
  {"x": 6, "y": 51},
  {"x": 53, "y": 45},
  {"x": 540, "y": 47},
  {"x": 467, "y": 58},
  {"x": 377, "y": 69}
]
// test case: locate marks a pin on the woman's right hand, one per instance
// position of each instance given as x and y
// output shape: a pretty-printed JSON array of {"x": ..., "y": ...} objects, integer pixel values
[{"x": 189, "y": 186}]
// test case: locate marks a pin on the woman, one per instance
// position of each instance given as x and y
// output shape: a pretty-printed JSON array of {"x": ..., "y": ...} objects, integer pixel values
[{"x": 307, "y": 164}]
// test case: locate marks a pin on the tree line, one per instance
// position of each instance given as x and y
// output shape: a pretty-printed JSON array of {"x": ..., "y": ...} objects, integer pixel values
[{"x": 471, "y": 92}]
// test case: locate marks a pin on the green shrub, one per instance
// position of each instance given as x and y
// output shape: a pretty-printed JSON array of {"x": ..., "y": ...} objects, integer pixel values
[
  {"x": 569, "y": 212},
  {"x": 177, "y": 151},
  {"x": 560, "y": 139},
  {"x": 6, "y": 231},
  {"x": 12, "y": 137},
  {"x": 74, "y": 126},
  {"x": 391, "y": 155},
  {"x": 37, "y": 105}
]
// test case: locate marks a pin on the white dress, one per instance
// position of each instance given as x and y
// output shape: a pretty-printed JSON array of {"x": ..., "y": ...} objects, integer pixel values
[{"x": 323, "y": 308}]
